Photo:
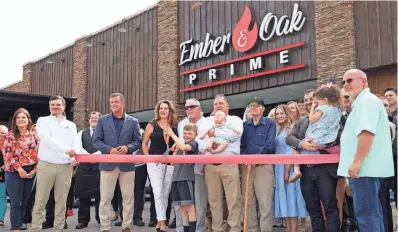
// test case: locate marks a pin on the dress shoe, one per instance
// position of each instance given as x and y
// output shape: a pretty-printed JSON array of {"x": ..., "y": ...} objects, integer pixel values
[
  {"x": 138, "y": 223},
  {"x": 47, "y": 225},
  {"x": 152, "y": 223},
  {"x": 81, "y": 225},
  {"x": 126, "y": 230},
  {"x": 114, "y": 218},
  {"x": 172, "y": 225},
  {"x": 76, "y": 204},
  {"x": 119, "y": 223},
  {"x": 23, "y": 227}
]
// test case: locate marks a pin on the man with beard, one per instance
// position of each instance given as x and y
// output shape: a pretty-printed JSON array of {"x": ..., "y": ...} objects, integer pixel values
[
  {"x": 87, "y": 176},
  {"x": 318, "y": 182}
]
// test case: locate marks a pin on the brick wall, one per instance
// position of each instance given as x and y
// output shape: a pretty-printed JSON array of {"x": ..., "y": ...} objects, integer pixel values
[
  {"x": 168, "y": 53},
  {"x": 80, "y": 83},
  {"x": 335, "y": 41},
  {"x": 25, "y": 85}
]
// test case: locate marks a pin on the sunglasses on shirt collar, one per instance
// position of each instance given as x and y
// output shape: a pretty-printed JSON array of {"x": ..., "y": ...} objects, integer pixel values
[{"x": 190, "y": 107}]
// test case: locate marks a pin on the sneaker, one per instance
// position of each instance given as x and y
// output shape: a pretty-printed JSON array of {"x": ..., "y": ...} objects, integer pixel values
[
  {"x": 23, "y": 227},
  {"x": 296, "y": 175},
  {"x": 1, "y": 223},
  {"x": 70, "y": 213}
]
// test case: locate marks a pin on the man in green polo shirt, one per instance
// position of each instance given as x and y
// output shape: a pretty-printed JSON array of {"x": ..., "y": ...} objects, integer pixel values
[{"x": 366, "y": 151}]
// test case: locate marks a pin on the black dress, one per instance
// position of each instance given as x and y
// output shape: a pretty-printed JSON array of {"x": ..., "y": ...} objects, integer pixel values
[{"x": 158, "y": 144}]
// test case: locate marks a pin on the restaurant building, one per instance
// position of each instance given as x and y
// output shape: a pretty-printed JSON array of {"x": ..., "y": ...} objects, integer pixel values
[{"x": 178, "y": 50}]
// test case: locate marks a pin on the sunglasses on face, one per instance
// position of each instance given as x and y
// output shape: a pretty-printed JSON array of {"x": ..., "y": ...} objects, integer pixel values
[
  {"x": 190, "y": 107},
  {"x": 348, "y": 81}
]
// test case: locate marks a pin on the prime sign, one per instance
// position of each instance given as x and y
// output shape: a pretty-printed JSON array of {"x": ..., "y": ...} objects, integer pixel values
[{"x": 242, "y": 40}]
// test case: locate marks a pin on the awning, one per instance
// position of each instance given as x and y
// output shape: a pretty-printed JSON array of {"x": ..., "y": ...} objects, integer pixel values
[{"x": 37, "y": 105}]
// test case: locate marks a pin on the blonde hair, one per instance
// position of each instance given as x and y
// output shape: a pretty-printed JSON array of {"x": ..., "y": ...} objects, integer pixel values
[
  {"x": 289, "y": 119},
  {"x": 191, "y": 127},
  {"x": 297, "y": 109}
]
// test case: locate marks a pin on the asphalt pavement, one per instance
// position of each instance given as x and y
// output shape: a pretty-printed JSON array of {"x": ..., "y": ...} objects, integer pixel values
[{"x": 94, "y": 226}]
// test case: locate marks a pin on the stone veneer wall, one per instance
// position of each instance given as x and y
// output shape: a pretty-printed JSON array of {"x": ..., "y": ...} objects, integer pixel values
[
  {"x": 25, "y": 85},
  {"x": 80, "y": 116},
  {"x": 168, "y": 53},
  {"x": 335, "y": 38}
]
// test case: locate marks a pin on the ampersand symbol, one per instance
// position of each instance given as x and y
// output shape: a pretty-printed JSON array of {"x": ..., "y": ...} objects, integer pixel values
[{"x": 243, "y": 37}]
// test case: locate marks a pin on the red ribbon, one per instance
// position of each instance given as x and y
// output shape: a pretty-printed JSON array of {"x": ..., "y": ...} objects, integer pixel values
[{"x": 211, "y": 159}]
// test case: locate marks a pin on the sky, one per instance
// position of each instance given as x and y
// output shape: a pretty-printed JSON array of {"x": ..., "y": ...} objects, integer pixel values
[{"x": 33, "y": 29}]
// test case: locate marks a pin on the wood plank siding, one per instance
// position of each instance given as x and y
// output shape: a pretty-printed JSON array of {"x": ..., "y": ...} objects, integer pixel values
[
  {"x": 375, "y": 33},
  {"x": 125, "y": 62},
  {"x": 382, "y": 78},
  {"x": 219, "y": 18},
  {"x": 54, "y": 78}
]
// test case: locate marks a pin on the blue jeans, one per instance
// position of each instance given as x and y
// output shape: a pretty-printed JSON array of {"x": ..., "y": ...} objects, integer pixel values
[
  {"x": 19, "y": 191},
  {"x": 367, "y": 206},
  {"x": 3, "y": 201}
]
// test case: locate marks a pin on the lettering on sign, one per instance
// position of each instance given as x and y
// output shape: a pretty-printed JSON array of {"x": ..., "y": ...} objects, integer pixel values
[{"x": 243, "y": 38}]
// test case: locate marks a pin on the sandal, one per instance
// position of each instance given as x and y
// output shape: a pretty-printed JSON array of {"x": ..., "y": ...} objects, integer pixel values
[{"x": 295, "y": 177}]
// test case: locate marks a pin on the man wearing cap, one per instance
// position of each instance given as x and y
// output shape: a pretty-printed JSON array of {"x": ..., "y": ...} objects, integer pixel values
[{"x": 258, "y": 138}]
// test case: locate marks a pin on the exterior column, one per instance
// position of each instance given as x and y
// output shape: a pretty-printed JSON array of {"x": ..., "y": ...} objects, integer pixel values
[
  {"x": 335, "y": 38},
  {"x": 25, "y": 85},
  {"x": 168, "y": 54},
  {"x": 80, "y": 83}
]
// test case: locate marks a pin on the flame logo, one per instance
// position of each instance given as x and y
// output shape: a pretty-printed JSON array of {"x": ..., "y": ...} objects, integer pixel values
[{"x": 243, "y": 39}]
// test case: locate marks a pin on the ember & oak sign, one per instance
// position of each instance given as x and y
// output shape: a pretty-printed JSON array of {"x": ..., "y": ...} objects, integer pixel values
[{"x": 243, "y": 40}]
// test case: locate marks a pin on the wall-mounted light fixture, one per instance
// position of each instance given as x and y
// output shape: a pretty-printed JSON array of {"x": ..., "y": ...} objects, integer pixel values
[
  {"x": 30, "y": 70},
  {"x": 198, "y": 4},
  {"x": 50, "y": 61},
  {"x": 90, "y": 44},
  {"x": 123, "y": 29}
]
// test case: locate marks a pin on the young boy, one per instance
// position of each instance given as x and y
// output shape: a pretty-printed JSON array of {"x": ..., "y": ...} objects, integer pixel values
[{"x": 183, "y": 181}]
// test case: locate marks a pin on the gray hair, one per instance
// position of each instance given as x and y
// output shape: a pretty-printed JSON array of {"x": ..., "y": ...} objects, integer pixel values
[
  {"x": 3, "y": 128},
  {"x": 221, "y": 96},
  {"x": 194, "y": 100},
  {"x": 117, "y": 95}
]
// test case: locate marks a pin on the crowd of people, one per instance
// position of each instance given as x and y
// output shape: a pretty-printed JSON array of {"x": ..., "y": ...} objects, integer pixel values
[{"x": 39, "y": 165}]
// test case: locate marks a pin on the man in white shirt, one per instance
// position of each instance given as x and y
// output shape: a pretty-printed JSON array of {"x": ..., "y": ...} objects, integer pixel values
[
  {"x": 58, "y": 145},
  {"x": 224, "y": 175},
  {"x": 194, "y": 115},
  {"x": 87, "y": 177}
]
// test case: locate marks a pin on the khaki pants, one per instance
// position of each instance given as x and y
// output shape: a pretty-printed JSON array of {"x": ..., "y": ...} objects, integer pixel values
[
  {"x": 261, "y": 189},
  {"x": 226, "y": 175},
  {"x": 51, "y": 175},
  {"x": 107, "y": 189}
]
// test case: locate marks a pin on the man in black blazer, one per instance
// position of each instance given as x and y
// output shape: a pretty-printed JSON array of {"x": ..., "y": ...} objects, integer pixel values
[{"x": 117, "y": 133}]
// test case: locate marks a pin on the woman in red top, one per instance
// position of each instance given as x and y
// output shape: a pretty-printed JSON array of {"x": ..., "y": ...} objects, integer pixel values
[{"x": 19, "y": 148}]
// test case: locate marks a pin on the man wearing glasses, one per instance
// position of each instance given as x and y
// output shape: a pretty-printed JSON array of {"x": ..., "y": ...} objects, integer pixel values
[
  {"x": 194, "y": 115},
  {"x": 366, "y": 151},
  {"x": 258, "y": 138}
]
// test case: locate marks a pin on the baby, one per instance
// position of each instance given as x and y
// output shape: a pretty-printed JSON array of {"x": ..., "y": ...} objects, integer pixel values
[{"x": 220, "y": 122}]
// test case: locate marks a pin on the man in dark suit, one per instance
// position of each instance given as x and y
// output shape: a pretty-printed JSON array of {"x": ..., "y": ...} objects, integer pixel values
[
  {"x": 88, "y": 176},
  {"x": 117, "y": 134}
]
